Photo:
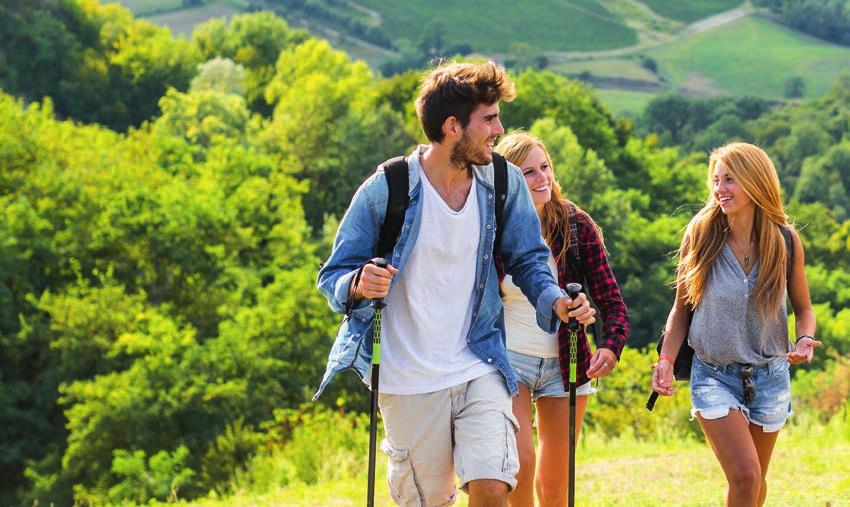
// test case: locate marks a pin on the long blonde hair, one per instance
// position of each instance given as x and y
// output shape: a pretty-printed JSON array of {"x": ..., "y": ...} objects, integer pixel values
[
  {"x": 706, "y": 234},
  {"x": 555, "y": 219}
]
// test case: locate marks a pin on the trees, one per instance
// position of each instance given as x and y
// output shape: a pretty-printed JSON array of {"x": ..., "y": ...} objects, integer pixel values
[
  {"x": 329, "y": 125},
  {"x": 157, "y": 300},
  {"x": 96, "y": 62},
  {"x": 253, "y": 41}
]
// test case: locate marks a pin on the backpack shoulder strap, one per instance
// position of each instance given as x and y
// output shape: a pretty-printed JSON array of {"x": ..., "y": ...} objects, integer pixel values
[
  {"x": 500, "y": 183},
  {"x": 574, "y": 258},
  {"x": 395, "y": 170},
  {"x": 573, "y": 251},
  {"x": 789, "y": 248}
]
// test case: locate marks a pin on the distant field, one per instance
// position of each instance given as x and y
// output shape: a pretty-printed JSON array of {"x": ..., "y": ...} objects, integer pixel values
[
  {"x": 492, "y": 25},
  {"x": 689, "y": 10},
  {"x": 624, "y": 101},
  {"x": 620, "y": 67},
  {"x": 182, "y": 22},
  {"x": 143, "y": 7},
  {"x": 751, "y": 56}
]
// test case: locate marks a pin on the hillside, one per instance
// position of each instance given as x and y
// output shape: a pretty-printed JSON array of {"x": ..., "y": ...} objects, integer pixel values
[{"x": 630, "y": 50}]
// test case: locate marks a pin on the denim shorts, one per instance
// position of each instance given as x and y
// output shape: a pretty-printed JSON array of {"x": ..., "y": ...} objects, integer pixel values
[
  {"x": 717, "y": 389},
  {"x": 542, "y": 376}
]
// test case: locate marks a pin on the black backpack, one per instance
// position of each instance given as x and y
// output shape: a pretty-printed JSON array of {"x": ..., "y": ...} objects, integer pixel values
[
  {"x": 396, "y": 172},
  {"x": 685, "y": 357}
]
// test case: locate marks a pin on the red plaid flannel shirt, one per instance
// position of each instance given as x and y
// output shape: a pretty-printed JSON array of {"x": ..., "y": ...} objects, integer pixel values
[{"x": 586, "y": 246}]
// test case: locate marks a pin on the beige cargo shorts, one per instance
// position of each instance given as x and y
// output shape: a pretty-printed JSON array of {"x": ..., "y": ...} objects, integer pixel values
[{"x": 468, "y": 430}]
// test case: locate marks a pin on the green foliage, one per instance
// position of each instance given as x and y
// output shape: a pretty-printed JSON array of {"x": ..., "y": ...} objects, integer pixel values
[
  {"x": 828, "y": 20},
  {"x": 220, "y": 74},
  {"x": 158, "y": 316},
  {"x": 159, "y": 478},
  {"x": 823, "y": 392},
  {"x": 253, "y": 41},
  {"x": 327, "y": 120},
  {"x": 582, "y": 175},
  {"x": 795, "y": 87},
  {"x": 826, "y": 179},
  {"x": 569, "y": 103},
  {"x": 96, "y": 62},
  {"x": 615, "y": 409}
]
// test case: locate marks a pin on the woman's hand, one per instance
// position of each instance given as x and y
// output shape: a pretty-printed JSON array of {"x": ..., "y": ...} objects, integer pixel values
[
  {"x": 804, "y": 351},
  {"x": 602, "y": 363},
  {"x": 662, "y": 377}
]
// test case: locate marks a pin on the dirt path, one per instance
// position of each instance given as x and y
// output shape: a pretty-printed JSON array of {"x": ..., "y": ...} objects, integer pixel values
[
  {"x": 375, "y": 18},
  {"x": 718, "y": 20},
  {"x": 657, "y": 40}
]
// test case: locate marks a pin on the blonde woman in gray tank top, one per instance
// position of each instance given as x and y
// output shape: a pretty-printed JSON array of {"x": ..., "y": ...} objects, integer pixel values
[{"x": 733, "y": 272}]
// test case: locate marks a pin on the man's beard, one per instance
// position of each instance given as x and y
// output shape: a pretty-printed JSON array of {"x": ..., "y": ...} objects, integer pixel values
[{"x": 464, "y": 154}]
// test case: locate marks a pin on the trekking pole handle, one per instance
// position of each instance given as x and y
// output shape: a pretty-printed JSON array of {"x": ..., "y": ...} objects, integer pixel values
[
  {"x": 572, "y": 290},
  {"x": 378, "y": 303}
]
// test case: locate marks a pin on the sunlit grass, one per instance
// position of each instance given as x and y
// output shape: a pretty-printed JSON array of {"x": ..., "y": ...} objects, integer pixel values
[{"x": 809, "y": 467}]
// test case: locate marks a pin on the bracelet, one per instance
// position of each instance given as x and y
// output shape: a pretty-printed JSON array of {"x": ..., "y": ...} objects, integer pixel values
[
  {"x": 810, "y": 337},
  {"x": 665, "y": 357}
]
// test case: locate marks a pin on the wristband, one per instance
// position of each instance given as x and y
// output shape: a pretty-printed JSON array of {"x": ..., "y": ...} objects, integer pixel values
[
  {"x": 665, "y": 357},
  {"x": 804, "y": 336}
]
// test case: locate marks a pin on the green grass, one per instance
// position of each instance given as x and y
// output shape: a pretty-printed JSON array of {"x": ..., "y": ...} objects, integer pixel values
[
  {"x": 751, "y": 56},
  {"x": 623, "y": 68},
  {"x": 624, "y": 101},
  {"x": 690, "y": 10},
  {"x": 184, "y": 21},
  {"x": 809, "y": 468},
  {"x": 143, "y": 7},
  {"x": 492, "y": 25}
]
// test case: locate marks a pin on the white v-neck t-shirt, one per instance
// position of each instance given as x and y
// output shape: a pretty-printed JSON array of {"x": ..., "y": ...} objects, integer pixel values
[{"x": 429, "y": 313}]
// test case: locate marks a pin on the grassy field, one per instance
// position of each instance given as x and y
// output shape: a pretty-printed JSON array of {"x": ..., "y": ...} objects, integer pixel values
[
  {"x": 494, "y": 24},
  {"x": 809, "y": 468},
  {"x": 624, "y": 101},
  {"x": 614, "y": 67},
  {"x": 183, "y": 21},
  {"x": 751, "y": 56},
  {"x": 690, "y": 11},
  {"x": 144, "y": 7}
]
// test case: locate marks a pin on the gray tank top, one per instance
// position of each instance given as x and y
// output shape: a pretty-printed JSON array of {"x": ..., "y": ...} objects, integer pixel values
[{"x": 727, "y": 326}]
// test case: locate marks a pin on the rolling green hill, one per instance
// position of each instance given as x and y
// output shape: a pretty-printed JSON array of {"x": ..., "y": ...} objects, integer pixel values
[
  {"x": 492, "y": 26},
  {"x": 690, "y": 11},
  {"x": 606, "y": 42},
  {"x": 751, "y": 56}
]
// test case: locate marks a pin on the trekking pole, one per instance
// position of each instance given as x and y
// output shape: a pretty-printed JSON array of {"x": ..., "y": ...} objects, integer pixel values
[
  {"x": 378, "y": 304},
  {"x": 573, "y": 326}
]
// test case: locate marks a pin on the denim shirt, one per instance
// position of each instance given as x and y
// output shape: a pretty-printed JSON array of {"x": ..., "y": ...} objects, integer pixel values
[{"x": 523, "y": 252}]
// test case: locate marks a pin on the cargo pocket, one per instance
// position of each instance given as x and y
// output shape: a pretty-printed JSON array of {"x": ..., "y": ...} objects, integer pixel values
[
  {"x": 400, "y": 476},
  {"x": 510, "y": 462}
]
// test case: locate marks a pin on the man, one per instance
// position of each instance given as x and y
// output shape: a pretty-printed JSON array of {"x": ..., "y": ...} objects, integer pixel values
[{"x": 446, "y": 384}]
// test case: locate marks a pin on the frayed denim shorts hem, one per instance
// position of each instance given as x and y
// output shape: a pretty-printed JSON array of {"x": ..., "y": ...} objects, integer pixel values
[
  {"x": 717, "y": 389},
  {"x": 542, "y": 376}
]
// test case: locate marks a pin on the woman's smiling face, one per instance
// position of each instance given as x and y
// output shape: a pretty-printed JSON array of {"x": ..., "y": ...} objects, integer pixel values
[
  {"x": 538, "y": 176},
  {"x": 728, "y": 192}
]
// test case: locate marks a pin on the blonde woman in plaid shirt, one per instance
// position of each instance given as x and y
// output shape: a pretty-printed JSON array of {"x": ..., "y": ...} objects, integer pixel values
[{"x": 541, "y": 360}]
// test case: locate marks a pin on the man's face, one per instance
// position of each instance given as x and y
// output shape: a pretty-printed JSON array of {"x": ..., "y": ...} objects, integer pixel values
[{"x": 479, "y": 136}]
